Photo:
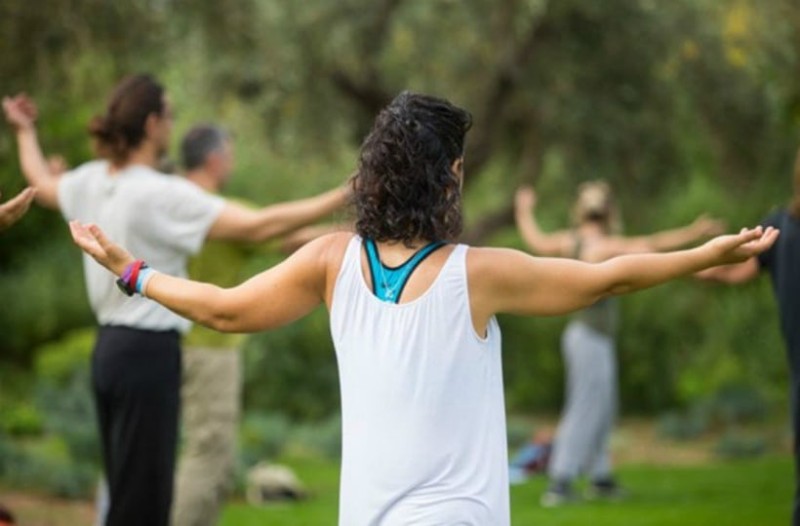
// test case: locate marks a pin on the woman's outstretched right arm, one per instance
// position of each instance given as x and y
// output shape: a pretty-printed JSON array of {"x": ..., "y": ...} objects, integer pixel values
[
  {"x": 21, "y": 112},
  {"x": 270, "y": 299}
]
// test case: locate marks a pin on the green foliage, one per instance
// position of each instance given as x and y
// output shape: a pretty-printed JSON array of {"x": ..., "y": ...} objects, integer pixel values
[
  {"x": 731, "y": 407},
  {"x": 262, "y": 437},
  {"x": 740, "y": 445},
  {"x": 686, "y": 107},
  {"x": 21, "y": 420},
  {"x": 323, "y": 438},
  {"x": 49, "y": 299},
  {"x": 61, "y": 455},
  {"x": 737, "y": 403},
  {"x": 679, "y": 426},
  {"x": 58, "y": 362},
  {"x": 63, "y": 394},
  {"x": 45, "y": 465},
  {"x": 293, "y": 370}
]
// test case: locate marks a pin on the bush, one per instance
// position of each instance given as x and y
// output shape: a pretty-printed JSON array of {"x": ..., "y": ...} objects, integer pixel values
[
  {"x": 262, "y": 437},
  {"x": 738, "y": 403},
  {"x": 292, "y": 370},
  {"x": 63, "y": 459},
  {"x": 45, "y": 465},
  {"x": 63, "y": 394},
  {"x": 735, "y": 444},
  {"x": 683, "y": 426},
  {"x": 20, "y": 420},
  {"x": 323, "y": 437}
]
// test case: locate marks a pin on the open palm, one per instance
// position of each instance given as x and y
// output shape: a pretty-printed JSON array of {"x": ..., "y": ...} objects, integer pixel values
[
  {"x": 744, "y": 245},
  {"x": 94, "y": 242}
]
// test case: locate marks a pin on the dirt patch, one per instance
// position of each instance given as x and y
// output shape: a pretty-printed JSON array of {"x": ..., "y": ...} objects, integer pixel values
[
  {"x": 638, "y": 442},
  {"x": 39, "y": 510}
]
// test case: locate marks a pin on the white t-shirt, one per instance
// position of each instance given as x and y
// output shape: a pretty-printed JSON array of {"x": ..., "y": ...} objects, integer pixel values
[
  {"x": 162, "y": 219},
  {"x": 423, "y": 415}
]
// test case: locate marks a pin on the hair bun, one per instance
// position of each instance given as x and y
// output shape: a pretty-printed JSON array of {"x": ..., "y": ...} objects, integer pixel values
[{"x": 100, "y": 128}]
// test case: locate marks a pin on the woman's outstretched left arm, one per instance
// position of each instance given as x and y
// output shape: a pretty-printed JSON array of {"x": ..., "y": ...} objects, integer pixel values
[{"x": 270, "y": 299}]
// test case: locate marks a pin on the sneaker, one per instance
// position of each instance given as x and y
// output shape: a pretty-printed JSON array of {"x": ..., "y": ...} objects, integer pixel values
[
  {"x": 605, "y": 489},
  {"x": 558, "y": 494}
]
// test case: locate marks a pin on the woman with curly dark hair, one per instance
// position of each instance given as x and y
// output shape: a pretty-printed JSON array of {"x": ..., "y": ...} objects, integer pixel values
[{"x": 413, "y": 319}]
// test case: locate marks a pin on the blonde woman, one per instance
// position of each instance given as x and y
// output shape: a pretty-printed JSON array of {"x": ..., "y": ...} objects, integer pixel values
[{"x": 588, "y": 343}]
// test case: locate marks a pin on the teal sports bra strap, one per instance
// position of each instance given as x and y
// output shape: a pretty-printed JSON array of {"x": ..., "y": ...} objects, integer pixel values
[{"x": 388, "y": 282}]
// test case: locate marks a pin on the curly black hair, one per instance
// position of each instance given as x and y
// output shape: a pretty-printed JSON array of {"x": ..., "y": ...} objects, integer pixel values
[{"x": 405, "y": 189}]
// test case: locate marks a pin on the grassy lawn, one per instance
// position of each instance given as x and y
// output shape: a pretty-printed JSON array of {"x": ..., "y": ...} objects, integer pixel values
[
  {"x": 744, "y": 493},
  {"x": 747, "y": 493}
]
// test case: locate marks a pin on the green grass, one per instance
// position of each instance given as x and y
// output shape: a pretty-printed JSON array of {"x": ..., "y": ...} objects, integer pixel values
[{"x": 747, "y": 493}]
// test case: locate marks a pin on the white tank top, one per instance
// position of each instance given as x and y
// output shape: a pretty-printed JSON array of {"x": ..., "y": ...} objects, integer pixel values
[{"x": 423, "y": 415}]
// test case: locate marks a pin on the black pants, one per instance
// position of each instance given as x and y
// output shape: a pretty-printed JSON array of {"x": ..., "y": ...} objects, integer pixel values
[
  {"x": 136, "y": 382},
  {"x": 794, "y": 402}
]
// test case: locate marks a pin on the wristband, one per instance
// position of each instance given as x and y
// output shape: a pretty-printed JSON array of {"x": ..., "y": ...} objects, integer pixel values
[
  {"x": 127, "y": 281},
  {"x": 145, "y": 275}
]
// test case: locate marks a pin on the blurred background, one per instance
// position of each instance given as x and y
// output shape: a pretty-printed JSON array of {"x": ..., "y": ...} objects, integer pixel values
[{"x": 686, "y": 107}]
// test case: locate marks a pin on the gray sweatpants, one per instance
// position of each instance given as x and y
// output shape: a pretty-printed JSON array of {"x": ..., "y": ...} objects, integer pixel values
[{"x": 581, "y": 442}]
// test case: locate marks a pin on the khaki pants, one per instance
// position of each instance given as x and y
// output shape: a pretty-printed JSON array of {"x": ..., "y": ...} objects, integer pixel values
[{"x": 211, "y": 406}]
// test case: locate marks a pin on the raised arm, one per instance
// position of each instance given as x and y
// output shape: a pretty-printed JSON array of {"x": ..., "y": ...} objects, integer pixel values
[
  {"x": 504, "y": 280},
  {"x": 271, "y": 299},
  {"x": 554, "y": 244},
  {"x": 239, "y": 223},
  {"x": 21, "y": 112}
]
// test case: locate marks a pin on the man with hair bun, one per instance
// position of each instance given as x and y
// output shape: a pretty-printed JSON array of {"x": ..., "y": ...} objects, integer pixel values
[{"x": 136, "y": 362}]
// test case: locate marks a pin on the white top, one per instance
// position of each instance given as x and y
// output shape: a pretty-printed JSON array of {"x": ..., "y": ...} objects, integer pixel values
[
  {"x": 162, "y": 219},
  {"x": 423, "y": 415}
]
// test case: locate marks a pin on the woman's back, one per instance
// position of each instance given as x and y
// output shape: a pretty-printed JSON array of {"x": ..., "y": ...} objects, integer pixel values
[{"x": 422, "y": 402}]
